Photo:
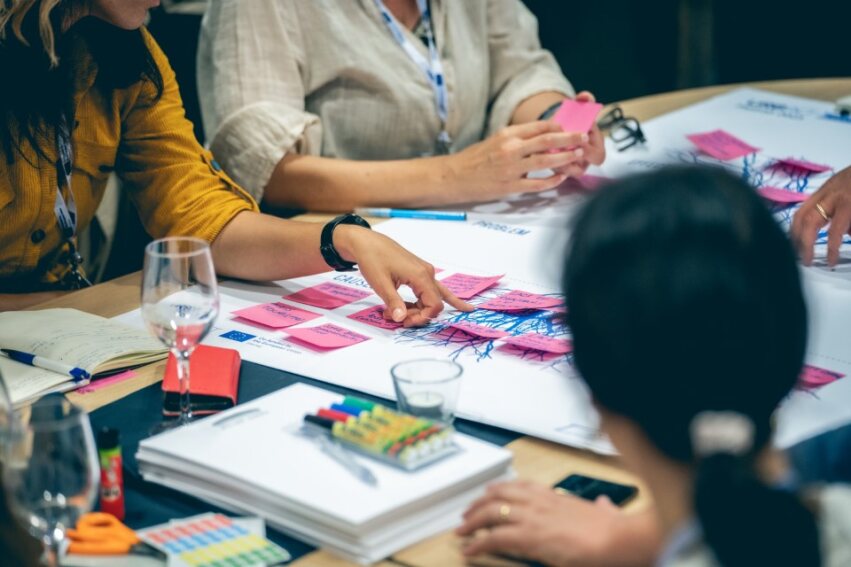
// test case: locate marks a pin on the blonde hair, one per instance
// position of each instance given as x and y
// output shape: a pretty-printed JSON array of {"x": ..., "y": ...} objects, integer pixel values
[{"x": 12, "y": 14}]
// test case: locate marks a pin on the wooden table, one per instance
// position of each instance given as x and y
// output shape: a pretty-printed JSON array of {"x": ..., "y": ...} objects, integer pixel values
[{"x": 534, "y": 459}]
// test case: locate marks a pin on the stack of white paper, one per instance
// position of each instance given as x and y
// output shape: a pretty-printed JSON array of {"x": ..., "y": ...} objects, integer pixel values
[{"x": 251, "y": 459}]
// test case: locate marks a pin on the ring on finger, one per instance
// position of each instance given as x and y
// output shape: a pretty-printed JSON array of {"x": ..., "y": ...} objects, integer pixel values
[
  {"x": 822, "y": 212},
  {"x": 504, "y": 513}
]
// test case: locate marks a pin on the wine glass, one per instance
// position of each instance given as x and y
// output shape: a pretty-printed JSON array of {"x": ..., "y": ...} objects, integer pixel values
[
  {"x": 51, "y": 471},
  {"x": 180, "y": 301}
]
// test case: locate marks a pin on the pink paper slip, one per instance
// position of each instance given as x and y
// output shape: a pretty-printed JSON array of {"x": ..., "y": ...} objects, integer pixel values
[
  {"x": 815, "y": 377},
  {"x": 782, "y": 196},
  {"x": 328, "y": 295},
  {"x": 591, "y": 182},
  {"x": 478, "y": 330},
  {"x": 721, "y": 145},
  {"x": 327, "y": 336},
  {"x": 804, "y": 164},
  {"x": 275, "y": 315},
  {"x": 466, "y": 286},
  {"x": 102, "y": 383},
  {"x": 575, "y": 116},
  {"x": 375, "y": 316},
  {"x": 519, "y": 301},
  {"x": 543, "y": 343}
]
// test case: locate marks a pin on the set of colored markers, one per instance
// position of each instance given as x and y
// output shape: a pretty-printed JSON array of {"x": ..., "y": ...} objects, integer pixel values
[{"x": 400, "y": 439}]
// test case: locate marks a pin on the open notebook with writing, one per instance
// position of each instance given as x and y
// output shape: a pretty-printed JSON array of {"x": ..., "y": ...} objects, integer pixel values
[{"x": 95, "y": 344}]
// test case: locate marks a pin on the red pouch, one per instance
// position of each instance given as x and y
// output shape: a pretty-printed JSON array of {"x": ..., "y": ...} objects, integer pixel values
[{"x": 213, "y": 381}]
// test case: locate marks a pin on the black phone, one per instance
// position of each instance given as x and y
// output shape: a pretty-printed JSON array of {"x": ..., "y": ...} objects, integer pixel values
[{"x": 590, "y": 488}]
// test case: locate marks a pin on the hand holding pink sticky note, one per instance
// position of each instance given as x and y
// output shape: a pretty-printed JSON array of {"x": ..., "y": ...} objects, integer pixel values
[
  {"x": 276, "y": 315},
  {"x": 466, "y": 286},
  {"x": 542, "y": 343},
  {"x": 328, "y": 295},
  {"x": 327, "y": 336},
  {"x": 781, "y": 196},
  {"x": 721, "y": 145},
  {"x": 517, "y": 300},
  {"x": 577, "y": 116},
  {"x": 375, "y": 316}
]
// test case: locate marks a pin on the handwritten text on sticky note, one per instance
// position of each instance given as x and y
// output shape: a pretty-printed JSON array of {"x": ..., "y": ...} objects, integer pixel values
[
  {"x": 466, "y": 286},
  {"x": 721, "y": 145},
  {"x": 535, "y": 341},
  {"x": 782, "y": 196},
  {"x": 375, "y": 316},
  {"x": 517, "y": 300},
  {"x": 803, "y": 165},
  {"x": 327, "y": 336},
  {"x": 328, "y": 295},
  {"x": 478, "y": 330},
  {"x": 276, "y": 315}
]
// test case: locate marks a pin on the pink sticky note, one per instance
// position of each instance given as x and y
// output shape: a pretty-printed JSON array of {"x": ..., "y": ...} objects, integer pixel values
[
  {"x": 783, "y": 196},
  {"x": 591, "y": 182},
  {"x": 478, "y": 330},
  {"x": 520, "y": 300},
  {"x": 375, "y": 316},
  {"x": 721, "y": 145},
  {"x": 328, "y": 295},
  {"x": 815, "y": 377},
  {"x": 804, "y": 164},
  {"x": 327, "y": 336},
  {"x": 276, "y": 315},
  {"x": 466, "y": 286},
  {"x": 101, "y": 383},
  {"x": 576, "y": 116},
  {"x": 543, "y": 343}
]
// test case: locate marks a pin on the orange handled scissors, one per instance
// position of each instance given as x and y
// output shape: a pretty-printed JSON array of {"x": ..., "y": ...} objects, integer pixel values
[{"x": 98, "y": 533}]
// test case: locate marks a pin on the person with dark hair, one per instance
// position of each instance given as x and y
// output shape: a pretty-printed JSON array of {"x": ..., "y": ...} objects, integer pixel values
[
  {"x": 92, "y": 93},
  {"x": 689, "y": 328}
]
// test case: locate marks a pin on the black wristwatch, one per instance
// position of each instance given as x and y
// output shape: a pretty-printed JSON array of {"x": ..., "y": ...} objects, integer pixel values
[{"x": 326, "y": 243}]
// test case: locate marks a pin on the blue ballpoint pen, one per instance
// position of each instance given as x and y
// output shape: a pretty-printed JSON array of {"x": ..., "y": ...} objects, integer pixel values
[
  {"x": 77, "y": 374},
  {"x": 412, "y": 214}
]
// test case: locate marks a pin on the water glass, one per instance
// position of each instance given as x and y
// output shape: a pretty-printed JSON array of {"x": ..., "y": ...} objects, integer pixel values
[{"x": 428, "y": 387}]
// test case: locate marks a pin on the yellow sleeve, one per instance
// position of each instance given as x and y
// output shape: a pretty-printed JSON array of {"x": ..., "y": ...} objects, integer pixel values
[{"x": 176, "y": 185}]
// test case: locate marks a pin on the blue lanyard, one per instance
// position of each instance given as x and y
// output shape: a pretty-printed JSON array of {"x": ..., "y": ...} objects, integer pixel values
[{"x": 432, "y": 67}]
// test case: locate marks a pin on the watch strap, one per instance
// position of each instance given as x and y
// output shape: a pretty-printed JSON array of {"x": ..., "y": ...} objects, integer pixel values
[{"x": 326, "y": 245}]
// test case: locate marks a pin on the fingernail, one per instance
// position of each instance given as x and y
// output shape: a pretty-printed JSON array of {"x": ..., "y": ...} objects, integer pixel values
[
  {"x": 398, "y": 314},
  {"x": 579, "y": 152},
  {"x": 585, "y": 137}
]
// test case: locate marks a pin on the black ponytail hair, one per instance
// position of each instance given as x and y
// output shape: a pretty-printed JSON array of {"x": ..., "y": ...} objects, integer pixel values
[{"x": 684, "y": 297}]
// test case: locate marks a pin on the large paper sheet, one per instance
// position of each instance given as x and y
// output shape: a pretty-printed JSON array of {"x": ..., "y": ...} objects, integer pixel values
[{"x": 526, "y": 390}]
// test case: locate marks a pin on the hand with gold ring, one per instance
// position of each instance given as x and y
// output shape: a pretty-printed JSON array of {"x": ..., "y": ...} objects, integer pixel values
[
  {"x": 830, "y": 205},
  {"x": 533, "y": 522}
]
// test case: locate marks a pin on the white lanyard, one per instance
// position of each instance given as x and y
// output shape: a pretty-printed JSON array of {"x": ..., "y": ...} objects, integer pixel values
[{"x": 432, "y": 67}]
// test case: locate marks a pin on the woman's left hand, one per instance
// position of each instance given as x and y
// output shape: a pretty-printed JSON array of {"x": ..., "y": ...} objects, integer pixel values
[
  {"x": 533, "y": 522},
  {"x": 594, "y": 150}
]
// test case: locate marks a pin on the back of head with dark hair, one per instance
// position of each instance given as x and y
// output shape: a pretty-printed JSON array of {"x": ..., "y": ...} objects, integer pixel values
[{"x": 684, "y": 297}]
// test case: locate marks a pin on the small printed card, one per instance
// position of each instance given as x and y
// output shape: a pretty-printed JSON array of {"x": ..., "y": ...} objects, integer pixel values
[
  {"x": 478, "y": 330},
  {"x": 327, "y": 336},
  {"x": 466, "y": 286},
  {"x": 375, "y": 316},
  {"x": 543, "y": 343},
  {"x": 275, "y": 315},
  {"x": 721, "y": 145},
  {"x": 328, "y": 295},
  {"x": 520, "y": 301},
  {"x": 804, "y": 165},
  {"x": 782, "y": 196}
]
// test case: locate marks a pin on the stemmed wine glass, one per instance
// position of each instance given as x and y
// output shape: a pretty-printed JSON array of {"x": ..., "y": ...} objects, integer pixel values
[
  {"x": 180, "y": 301},
  {"x": 51, "y": 470}
]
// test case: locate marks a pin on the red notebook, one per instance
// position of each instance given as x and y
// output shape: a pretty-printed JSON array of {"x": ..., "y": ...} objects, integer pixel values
[{"x": 213, "y": 381}]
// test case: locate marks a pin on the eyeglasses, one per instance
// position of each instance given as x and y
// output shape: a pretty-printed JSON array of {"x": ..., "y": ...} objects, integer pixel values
[{"x": 625, "y": 131}]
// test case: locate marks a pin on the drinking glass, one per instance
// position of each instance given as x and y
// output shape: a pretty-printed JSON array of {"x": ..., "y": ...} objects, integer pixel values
[
  {"x": 180, "y": 301},
  {"x": 51, "y": 471},
  {"x": 428, "y": 387}
]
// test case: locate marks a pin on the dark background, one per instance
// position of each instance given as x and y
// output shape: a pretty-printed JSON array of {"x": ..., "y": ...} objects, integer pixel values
[{"x": 617, "y": 49}]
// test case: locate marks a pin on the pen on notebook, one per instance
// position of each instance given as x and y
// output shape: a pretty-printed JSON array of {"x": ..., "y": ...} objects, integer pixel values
[
  {"x": 318, "y": 428},
  {"x": 40, "y": 362},
  {"x": 412, "y": 214}
]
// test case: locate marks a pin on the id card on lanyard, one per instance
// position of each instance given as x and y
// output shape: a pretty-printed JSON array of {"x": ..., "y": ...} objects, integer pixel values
[
  {"x": 66, "y": 211},
  {"x": 432, "y": 67}
]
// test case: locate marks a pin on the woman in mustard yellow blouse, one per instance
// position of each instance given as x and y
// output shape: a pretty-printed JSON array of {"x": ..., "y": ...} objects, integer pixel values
[{"x": 88, "y": 91}]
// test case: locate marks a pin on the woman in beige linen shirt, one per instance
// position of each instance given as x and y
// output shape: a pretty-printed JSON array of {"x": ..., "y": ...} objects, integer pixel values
[{"x": 315, "y": 104}]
